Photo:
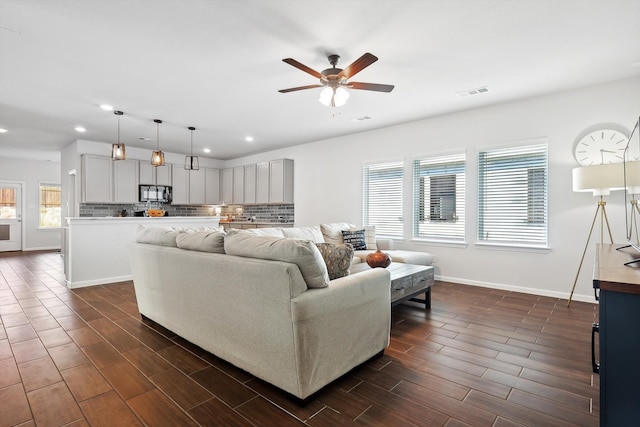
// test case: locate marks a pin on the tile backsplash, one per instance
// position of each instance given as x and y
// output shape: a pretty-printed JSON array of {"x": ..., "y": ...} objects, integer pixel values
[{"x": 266, "y": 213}]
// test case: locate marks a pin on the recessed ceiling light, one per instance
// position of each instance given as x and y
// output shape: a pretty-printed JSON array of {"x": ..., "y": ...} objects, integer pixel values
[
  {"x": 80, "y": 129},
  {"x": 106, "y": 107},
  {"x": 3, "y": 130},
  {"x": 206, "y": 150},
  {"x": 249, "y": 139}
]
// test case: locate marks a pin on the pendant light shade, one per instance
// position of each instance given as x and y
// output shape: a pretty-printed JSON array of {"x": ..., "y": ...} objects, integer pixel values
[
  {"x": 191, "y": 162},
  {"x": 118, "y": 149},
  {"x": 157, "y": 157},
  {"x": 333, "y": 96}
]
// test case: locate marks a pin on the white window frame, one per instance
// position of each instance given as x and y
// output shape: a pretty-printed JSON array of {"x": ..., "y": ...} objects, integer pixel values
[
  {"x": 383, "y": 200},
  {"x": 506, "y": 204},
  {"x": 451, "y": 228},
  {"x": 40, "y": 204}
]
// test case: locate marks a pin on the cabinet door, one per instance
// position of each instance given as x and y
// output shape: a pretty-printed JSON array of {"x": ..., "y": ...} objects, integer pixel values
[
  {"x": 147, "y": 173},
  {"x": 125, "y": 181},
  {"x": 281, "y": 181},
  {"x": 163, "y": 174},
  {"x": 262, "y": 183},
  {"x": 250, "y": 184},
  {"x": 97, "y": 179},
  {"x": 212, "y": 186},
  {"x": 238, "y": 185},
  {"x": 227, "y": 186},
  {"x": 180, "y": 185},
  {"x": 196, "y": 187}
]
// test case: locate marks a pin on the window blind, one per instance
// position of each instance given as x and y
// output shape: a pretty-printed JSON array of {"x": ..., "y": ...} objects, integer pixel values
[
  {"x": 382, "y": 198},
  {"x": 439, "y": 198},
  {"x": 512, "y": 195}
]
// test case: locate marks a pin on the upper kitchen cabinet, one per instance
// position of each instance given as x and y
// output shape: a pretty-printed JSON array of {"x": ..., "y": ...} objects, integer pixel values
[
  {"x": 262, "y": 183},
  {"x": 227, "y": 186},
  {"x": 108, "y": 181},
  {"x": 281, "y": 181},
  {"x": 125, "y": 181},
  {"x": 97, "y": 179},
  {"x": 250, "y": 184},
  {"x": 180, "y": 185},
  {"x": 154, "y": 175},
  {"x": 212, "y": 186}
]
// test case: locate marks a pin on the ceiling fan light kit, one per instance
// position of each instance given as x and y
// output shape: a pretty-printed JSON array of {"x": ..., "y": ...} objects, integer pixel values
[
  {"x": 157, "y": 157},
  {"x": 118, "y": 149},
  {"x": 335, "y": 80}
]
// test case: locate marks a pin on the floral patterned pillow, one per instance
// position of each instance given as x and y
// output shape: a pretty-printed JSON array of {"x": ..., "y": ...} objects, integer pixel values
[{"x": 337, "y": 258}]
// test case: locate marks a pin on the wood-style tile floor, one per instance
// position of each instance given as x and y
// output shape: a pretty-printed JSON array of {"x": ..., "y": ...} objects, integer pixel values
[{"x": 479, "y": 357}]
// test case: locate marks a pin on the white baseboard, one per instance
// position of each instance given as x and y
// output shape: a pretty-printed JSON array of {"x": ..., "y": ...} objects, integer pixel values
[
  {"x": 534, "y": 291},
  {"x": 101, "y": 281},
  {"x": 44, "y": 248}
]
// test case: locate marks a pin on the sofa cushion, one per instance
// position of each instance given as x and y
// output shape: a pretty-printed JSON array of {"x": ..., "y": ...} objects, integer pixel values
[
  {"x": 337, "y": 258},
  {"x": 312, "y": 233},
  {"x": 203, "y": 241},
  {"x": 355, "y": 238},
  {"x": 303, "y": 253},
  {"x": 369, "y": 235},
  {"x": 162, "y": 236},
  {"x": 268, "y": 231},
  {"x": 332, "y": 233}
]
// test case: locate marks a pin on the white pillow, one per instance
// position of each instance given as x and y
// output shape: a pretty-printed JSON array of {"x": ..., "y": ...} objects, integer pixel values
[
  {"x": 162, "y": 236},
  {"x": 203, "y": 241},
  {"x": 333, "y": 232},
  {"x": 312, "y": 233},
  {"x": 369, "y": 235},
  {"x": 268, "y": 231},
  {"x": 303, "y": 253}
]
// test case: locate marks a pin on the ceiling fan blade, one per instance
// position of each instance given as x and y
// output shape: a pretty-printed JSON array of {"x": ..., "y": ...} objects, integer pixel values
[
  {"x": 303, "y": 67},
  {"x": 358, "y": 65},
  {"x": 370, "y": 86},
  {"x": 293, "y": 89}
]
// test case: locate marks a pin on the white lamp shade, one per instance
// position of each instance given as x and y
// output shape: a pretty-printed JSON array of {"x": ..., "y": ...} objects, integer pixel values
[
  {"x": 325, "y": 96},
  {"x": 333, "y": 97},
  {"x": 599, "y": 179},
  {"x": 341, "y": 96}
]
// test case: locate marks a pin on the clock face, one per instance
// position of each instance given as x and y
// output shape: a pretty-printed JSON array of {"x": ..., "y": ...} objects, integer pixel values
[{"x": 601, "y": 147}]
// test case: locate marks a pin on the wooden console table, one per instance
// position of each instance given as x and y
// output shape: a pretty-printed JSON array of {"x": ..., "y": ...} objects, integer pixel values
[{"x": 619, "y": 327}]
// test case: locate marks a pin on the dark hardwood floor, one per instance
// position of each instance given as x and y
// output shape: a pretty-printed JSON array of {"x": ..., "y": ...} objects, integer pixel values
[{"x": 479, "y": 357}]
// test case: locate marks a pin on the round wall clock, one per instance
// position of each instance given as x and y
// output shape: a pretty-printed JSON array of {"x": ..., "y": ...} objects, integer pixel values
[{"x": 601, "y": 147}]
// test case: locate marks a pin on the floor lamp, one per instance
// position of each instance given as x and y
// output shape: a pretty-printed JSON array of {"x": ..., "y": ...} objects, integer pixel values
[{"x": 600, "y": 180}]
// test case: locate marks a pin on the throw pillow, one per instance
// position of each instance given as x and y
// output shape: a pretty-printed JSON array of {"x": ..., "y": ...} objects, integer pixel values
[
  {"x": 369, "y": 236},
  {"x": 355, "y": 238},
  {"x": 203, "y": 241},
  {"x": 337, "y": 258},
  {"x": 333, "y": 232},
  {"x": 303, "y": 253}
]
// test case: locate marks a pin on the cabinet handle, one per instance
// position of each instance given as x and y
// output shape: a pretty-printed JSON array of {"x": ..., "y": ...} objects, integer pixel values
[{"x": 596, "y": 366}]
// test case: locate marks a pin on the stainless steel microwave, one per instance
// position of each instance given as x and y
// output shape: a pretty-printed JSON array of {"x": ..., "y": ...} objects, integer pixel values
[{"x": 155, "y": 193}]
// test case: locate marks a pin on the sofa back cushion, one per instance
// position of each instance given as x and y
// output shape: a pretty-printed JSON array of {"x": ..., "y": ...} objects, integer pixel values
[
  {"x": 312, "y": 233},
  {"x": 332, "y": 233},
  {"x": 162, "y": 236},
  {"x": 303, "y": 253},
  {"x": 269, "y": 231},
  {"x": 203, "y": 241}
]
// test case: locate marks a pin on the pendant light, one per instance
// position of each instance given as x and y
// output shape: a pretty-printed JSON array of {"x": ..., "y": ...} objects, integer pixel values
[
  {"x": 157, "y": 158},
  {"x": 117, "y": 149},
  {"x": 191, "y": 162}
]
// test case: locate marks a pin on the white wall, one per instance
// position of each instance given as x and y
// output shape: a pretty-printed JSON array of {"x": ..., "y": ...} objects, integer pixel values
[
  {"x": 31, "y": 173},
  {"x": 328, "y": 182}
]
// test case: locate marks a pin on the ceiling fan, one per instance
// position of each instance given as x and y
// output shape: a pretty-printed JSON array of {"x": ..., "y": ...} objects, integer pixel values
[{"x": 335, "y": 80}]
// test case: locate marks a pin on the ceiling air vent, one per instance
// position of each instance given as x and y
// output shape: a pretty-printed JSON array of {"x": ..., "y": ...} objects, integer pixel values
[
  {"x": 471, "y": 92},
  {"x": 360, "y": 119}
]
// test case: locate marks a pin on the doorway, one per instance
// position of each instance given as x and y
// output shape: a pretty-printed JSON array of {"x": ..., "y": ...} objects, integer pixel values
[{"x": 10, "y": 217}]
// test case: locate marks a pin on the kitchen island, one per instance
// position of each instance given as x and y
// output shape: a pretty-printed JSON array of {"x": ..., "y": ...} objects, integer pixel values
[{"x": 95, "y": 248}]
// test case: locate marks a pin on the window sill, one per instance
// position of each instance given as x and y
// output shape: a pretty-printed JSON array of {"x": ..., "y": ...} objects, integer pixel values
[
  {"x": 435, "y": 242},
  {"x": 49, "y": 228},
  {"x": 513, "y": 247}
]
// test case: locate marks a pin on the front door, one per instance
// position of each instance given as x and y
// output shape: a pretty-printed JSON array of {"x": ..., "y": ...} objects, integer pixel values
[{"x": 10, "y": 217}]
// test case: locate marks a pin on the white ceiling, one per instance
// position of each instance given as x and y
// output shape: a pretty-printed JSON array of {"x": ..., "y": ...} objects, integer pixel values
[{"x": 217, "y": 65}]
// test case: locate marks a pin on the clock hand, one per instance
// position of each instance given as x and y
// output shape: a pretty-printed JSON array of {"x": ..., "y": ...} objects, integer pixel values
[{"x": 602, "y": 150}]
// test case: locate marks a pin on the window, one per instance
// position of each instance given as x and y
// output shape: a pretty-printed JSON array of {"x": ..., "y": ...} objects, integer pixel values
[
  {"x": 512, "y": 195},
  {"x": 7, "y": 203},
  {"x": 50, "y": 206},
  {"x": 439, "y": 198},
  {"x": 382, "y": 198}
]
